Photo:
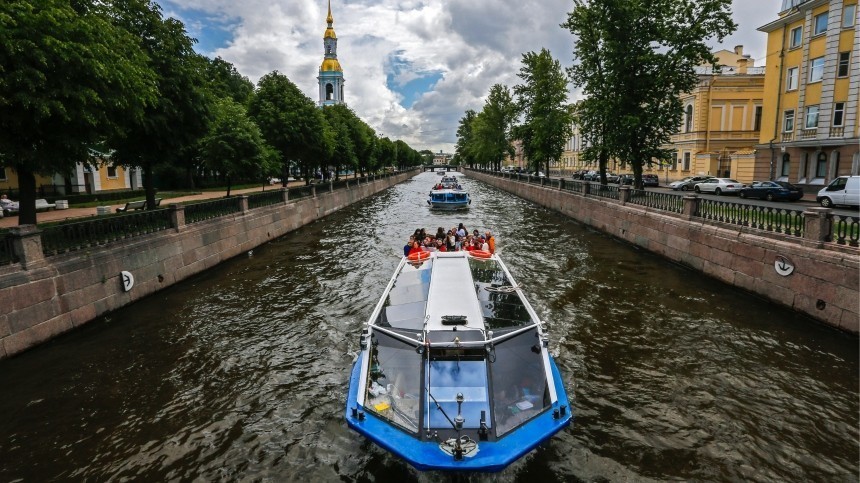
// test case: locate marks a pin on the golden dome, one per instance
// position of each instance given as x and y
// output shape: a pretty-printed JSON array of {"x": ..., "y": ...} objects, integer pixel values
[
  {"x": 330, "y": 65},
  {"x": 329, "y": 33}
]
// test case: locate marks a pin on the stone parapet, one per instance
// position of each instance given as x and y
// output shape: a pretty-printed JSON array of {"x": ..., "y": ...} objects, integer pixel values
[{"x": 806, "y": 274}]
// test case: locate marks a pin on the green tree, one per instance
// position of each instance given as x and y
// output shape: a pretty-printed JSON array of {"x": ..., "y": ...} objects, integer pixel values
[
  {"x": 223, "y": 80},
  {"x": 290, "y": 123},
  {"x": 647, "y": 51},
  {"x": 180, "y": 115},
  {"x": 343, "y": 153},
  {"x": 67, "y": 75},
  {"x": 491, "y": 129},
  {"x": 547, "y": 117},
  {"x": 465, "y": 139},
  {"x": 234, "y": 145}
]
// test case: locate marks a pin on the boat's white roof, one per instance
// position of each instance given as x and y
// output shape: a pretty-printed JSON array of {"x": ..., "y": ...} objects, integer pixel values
[{"x": 452, "y": 292}]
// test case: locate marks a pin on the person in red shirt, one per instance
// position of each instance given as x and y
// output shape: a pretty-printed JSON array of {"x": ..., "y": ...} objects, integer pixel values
[{"x": 416, "y": 248}]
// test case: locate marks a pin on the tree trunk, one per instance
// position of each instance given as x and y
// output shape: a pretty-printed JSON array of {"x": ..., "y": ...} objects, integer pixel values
[
  {"x": 228, "y": 186},
  {"x": 27, "y": 196},
  {"x": 602, "y": 161},
  {"x": 149, "y": 185}
]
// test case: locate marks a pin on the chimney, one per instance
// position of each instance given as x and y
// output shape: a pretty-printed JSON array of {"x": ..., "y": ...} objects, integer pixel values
[
  {"x": 739, "y": 49},
  {"x": 742, "y": 65}
]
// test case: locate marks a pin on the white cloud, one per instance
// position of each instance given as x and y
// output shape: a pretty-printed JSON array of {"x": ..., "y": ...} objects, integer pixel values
[{"x": 474, "y": 44}]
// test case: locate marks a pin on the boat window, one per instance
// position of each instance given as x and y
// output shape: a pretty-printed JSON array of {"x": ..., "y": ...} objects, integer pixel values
[
  {"x": 447, "y": 378},
  {"x": 500, "y": 309},
  {"x": 406, "y": 303},
  {"x": 520, "y": 390},
  {"x": 438, "y": 196},
  {"x": 393, "y": 383}
]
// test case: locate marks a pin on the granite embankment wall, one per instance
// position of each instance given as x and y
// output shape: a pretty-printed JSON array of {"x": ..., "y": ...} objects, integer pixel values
[
  {"x": 47, "y": 297},
  {"x": 825, "y": 283}
]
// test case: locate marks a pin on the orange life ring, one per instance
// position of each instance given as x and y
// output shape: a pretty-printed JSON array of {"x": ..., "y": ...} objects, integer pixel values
[
  {"x": 480, "y": 254},
  {"x": 418, "y": 256}
]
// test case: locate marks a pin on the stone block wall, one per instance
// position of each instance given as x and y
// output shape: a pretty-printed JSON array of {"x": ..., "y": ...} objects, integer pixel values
[
  {"x": 825, "y": 284},
  {"x": 48, "y": 297}
]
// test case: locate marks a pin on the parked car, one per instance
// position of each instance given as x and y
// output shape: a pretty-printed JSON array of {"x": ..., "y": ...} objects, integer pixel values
[
  {"x": 578, "y": 174},
  {"x": 611, "y": 178},
  {"x": 591, "y": 176},
  {"x": 771, "y": 191},
  {"x": 687, "y": 183},
  {"x": 650, "y": 180},
  {"x": 718, "y": 186},
  {"x": 625, "y": 179},
  {"x": 844, "y": 190},
  {"x": 796, "y": 191}
]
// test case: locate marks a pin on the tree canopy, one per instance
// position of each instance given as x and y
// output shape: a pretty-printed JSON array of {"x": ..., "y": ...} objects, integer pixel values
[
  {"x": 66, "y": 74},
  {"x": 633, "y": 59}
]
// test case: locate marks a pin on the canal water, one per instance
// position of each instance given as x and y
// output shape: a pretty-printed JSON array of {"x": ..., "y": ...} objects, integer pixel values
[{"x": 240, "y": 373}]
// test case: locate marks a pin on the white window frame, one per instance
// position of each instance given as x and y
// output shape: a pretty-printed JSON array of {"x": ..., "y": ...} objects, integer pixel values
[
  {"x": 816, "y": 69},
  {"x": 792, "y": 76},
  {"x": 788, "y": 120},
  {"x": 798, "y": 30},
  {"x": 812, "y": 112},
  {"x": 848, "y": 13},
  {"x": 840, "y": 108},
  {"x": 815, "y": 24}
]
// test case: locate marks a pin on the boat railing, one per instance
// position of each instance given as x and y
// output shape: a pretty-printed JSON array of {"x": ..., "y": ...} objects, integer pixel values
[{"x": 477, "y": 343}]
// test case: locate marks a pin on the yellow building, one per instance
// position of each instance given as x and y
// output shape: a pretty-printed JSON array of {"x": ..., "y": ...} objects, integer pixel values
[
  {"x": 97, "y": 176},
  {"x": 721, "y": 121},
  {"x": 810, "y": 131}
]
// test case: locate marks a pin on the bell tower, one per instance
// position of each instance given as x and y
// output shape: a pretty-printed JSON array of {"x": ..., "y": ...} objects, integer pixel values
[{"x": 331, "y": 74}]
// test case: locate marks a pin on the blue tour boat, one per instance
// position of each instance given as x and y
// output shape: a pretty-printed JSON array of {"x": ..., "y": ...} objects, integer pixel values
[
  {"x": 454, "y": 371},
  {"x": 449, "y": 199}
]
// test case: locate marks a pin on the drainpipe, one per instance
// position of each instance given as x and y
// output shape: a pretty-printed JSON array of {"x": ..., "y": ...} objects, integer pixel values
[
  {"x": 708, "y": 120},
  {"x": 778, "y": 99}
]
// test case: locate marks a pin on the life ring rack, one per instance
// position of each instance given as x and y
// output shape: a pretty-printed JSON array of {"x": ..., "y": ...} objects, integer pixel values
[
  {"x": 480, "y": 254},
  {"x": 418, "y": 256}
]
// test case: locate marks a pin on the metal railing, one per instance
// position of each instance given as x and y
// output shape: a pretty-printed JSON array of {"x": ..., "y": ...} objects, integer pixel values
[
  {"x": 574, "y": 186},
  {"x": 7, "y": 251},
  {"x": 660, "y": 201},
  {"x": 67, "y": 237},
  {"x": 846, "y": 230},
  {"x": 212, "y": 209},
  {"x": 779, "y": 220},
  {"x": 302, "y": 192},
  {"x": 604, "y": 191},
  {"x": 266, "y": 198}
]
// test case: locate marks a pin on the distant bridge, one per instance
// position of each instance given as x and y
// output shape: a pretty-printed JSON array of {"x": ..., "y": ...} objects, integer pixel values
[{"x": 440, "y": 167}]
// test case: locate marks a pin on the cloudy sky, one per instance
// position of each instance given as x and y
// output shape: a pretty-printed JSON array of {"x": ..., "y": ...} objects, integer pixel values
[{"x": 412, "y": 67}]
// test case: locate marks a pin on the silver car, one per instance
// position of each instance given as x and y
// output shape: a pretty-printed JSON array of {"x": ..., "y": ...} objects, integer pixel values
[
  {"x": 719, "y": 186},
  {"x": 687, "y": 183}
]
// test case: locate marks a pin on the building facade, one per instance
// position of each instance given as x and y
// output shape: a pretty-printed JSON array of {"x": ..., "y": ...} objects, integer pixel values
[
  {"x": 810, "y": 130},
  {"x": 98, "y": 175},
  {"x": 331, "y": 74},
  {"x": 721, "y": 122}
]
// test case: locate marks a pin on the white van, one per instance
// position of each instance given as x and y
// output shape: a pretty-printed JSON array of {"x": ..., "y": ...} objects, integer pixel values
[{"x": 844, "y": 190}]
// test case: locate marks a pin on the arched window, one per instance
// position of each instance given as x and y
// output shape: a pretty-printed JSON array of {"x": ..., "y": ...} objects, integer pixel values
[
  {"x": 329, "y": 92},
  {"x": 688, "y": 126}
]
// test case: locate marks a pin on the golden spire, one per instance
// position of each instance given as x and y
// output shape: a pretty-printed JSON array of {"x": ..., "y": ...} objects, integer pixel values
[{"x": 329, "y": 19}]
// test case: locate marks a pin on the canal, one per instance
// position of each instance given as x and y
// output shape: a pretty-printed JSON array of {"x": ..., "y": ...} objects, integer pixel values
[{"x": 241, "y": 372}]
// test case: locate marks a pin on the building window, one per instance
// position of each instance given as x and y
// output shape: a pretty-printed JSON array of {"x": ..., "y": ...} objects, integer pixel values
[
  {"x": 796, "y": 37},
  {"x": 816, "y": 69},
  {"x": 839, "y": 114},
  {"x": 819, "y": 24},
  {"x": 688, "y": 126},
  {"x": 111, "y": 172},
  {"x": 3, "y": 174},
  {"x": 686, "y": 161},
  {"x": 844, "y": 62},
  {"x": 821, "y": 165},
  {"x": 791, "y": 79},
  {"x": 848, "y": 15},
  {"x": 329, "y": 92},
  {"x": 675, "y": 162},
  {"x": 786, "y": 164},
  {"x": 788, "y": 123},
  {"x": 812, "y": 117},
  {"x": 757, "y": 123}
]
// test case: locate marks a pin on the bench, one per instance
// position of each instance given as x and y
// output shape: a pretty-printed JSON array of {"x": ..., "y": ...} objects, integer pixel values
[
  {"x": 42, "y": 204},
  {"x": 132, "y": 205},
  {"x": 137, "y": 205}
]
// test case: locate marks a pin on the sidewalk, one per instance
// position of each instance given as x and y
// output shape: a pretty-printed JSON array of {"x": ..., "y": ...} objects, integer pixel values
[{"x": 74, "y": 213}]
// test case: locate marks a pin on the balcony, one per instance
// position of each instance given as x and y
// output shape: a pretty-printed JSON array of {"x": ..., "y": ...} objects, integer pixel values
[
  {"x": 837, "y": 131},
  {"x": 789, "y": 4},
  {"x": 788, "y": 137},
  {"x": 808, "y": 133}
]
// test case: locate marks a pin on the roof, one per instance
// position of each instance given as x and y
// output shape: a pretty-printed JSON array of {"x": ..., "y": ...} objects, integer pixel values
[{"x": 452, "y": 292}]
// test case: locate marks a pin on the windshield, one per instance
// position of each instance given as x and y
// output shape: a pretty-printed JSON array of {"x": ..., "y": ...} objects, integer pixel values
[
  {"x": 393, "y": 383},
  {"x": 448, "y": 378},
  {"x": 520, "y": 390}
]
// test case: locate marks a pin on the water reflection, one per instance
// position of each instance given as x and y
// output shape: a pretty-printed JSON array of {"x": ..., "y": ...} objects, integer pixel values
[{"x": 241, "y": 372}]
